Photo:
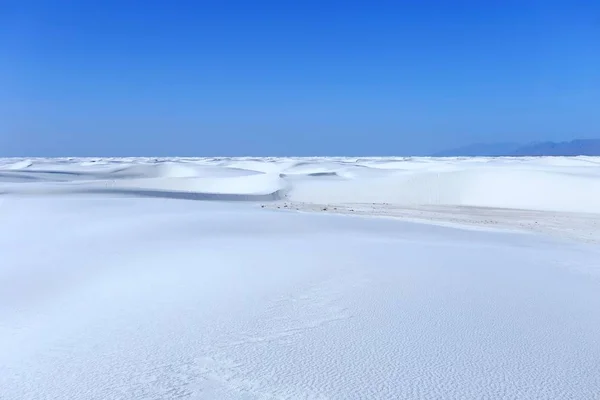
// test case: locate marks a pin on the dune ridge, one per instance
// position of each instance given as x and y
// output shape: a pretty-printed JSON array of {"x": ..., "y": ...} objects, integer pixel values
[{"x": 566, "y": 184}]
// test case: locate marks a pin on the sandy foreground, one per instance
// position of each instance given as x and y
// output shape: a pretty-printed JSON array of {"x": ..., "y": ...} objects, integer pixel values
[{"x": 388, "y": 279}]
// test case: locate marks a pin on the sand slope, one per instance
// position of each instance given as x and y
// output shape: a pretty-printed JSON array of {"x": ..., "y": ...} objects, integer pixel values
[
  {"x": 568, "y": 184},
  {"x": 166, "y": 279}
]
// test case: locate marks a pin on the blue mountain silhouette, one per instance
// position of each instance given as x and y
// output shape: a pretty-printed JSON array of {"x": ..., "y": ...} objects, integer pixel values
[{"x": 578, "y": 147}]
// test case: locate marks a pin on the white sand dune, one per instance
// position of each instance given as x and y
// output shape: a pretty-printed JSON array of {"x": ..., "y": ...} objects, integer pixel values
[
  {"x": 17, "y": 165},
  {"x": 548, "y": 184},
  {"x": 479, "y": 187},
  {"x": 114, "y": 284}
]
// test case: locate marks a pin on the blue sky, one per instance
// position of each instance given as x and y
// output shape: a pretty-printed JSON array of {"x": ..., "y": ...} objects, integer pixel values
[{"x": 218, "y": 78}]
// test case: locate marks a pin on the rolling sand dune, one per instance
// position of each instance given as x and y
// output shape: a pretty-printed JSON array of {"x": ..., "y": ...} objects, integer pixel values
[
  {"x": 567, "y": 189},
  {"x": 550, "y": 184},
  {"x": 483, "y": 284}
]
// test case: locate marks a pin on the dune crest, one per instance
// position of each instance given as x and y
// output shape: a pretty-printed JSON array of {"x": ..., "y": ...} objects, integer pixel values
[{"x": 566, "y": 184}]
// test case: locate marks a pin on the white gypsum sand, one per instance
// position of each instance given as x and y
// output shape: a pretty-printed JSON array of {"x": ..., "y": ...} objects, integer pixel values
[
  {"x": 116, "y": 284},
  {"x": 583, "y": 227}
]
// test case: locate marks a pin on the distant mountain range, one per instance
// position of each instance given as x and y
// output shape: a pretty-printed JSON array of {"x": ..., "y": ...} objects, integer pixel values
[{"x": 579, "y": 147}]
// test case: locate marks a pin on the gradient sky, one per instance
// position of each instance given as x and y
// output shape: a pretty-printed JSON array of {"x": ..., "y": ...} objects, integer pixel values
[{"x": 218, "y": 78}]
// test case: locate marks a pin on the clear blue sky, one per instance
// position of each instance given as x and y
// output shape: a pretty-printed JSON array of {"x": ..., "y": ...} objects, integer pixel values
[{"x": 215, "y": 78}]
